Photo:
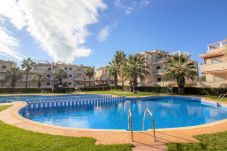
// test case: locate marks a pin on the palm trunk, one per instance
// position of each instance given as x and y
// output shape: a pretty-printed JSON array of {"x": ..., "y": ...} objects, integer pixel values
[
  {"x": 135, "y": 83},
  {"x": 26, "y": 81},
  {"x": 122, "y": 83},
  {"x": 181, "y": 83},
  {"x": 115, "y": 80},
  {"x": 89, "y": 81}
]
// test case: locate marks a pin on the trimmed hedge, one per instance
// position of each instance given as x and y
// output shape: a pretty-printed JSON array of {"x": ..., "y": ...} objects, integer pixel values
[
  {"x": 187, "y": 90},
  {"x": 35, "y": 90}
]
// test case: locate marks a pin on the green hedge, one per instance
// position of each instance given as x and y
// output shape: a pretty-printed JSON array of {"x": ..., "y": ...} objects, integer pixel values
[
  {"x": 35, "y": 90},
  {"x": 24, "y": 90},
  {"x": 205, "y": 91},
  {"x": 187, "y": 91}
]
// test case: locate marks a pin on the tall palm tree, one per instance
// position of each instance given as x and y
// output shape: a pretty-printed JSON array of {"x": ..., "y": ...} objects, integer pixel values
[
  {"x": 120, "y": 58},
  {"x": 89, "y": 72},
  {"x": 13, "y": 75},
  {"x": 27, "y": 65},
  {"x": 59, "y": 75},
  {"x": 180, "y": 67},
  {"x": 135, "y": 68},
  {"x": 113, "y": 71}
]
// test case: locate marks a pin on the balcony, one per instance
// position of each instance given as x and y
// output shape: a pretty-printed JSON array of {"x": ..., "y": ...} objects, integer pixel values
[
  {"x": 214, "y": 68},
  {"x": 217, "y": 45}
]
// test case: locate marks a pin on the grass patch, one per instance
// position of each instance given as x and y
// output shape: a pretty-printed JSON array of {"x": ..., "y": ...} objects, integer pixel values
[
  {"x": 15, "y": 139},
  {"x": 122, "y": 93},
  {"x": 211, "y": 142},
  {"x": 216, "y": 97},
  {"x": 3, "y": 107}
]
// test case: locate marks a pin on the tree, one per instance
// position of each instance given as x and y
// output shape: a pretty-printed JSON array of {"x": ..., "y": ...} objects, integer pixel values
[
  {"x": 3, "y": 80},
  {"x": 116, "y": 67},
  {"x": 27, "y": 65},
  {"x": 38, "y": 78},
  {"x": 89, "y": 72},
  {"x": 59, "y": 75},
  {"x": 135, "y": 68},
  {"x": 180, "y": 67},
  {"x": 120, "y": 58},
  {"x": 113, "y": 71},
  {"x": 13, "y": 75}
]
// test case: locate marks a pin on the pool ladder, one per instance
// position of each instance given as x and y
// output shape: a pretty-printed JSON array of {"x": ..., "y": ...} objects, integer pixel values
[
  {"x": 220, "y": 98},
  {"x": 130, "y": 122}
]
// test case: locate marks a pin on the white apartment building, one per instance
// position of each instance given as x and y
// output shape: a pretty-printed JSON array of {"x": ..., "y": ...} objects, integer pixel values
[
  {"x": 4, "y": 66},
  {"x": 102, "y": 76},
  {"x": 75, "y": 76},
  {"x": 215, "y": 65},
  {"x": 156, "y": 61}
]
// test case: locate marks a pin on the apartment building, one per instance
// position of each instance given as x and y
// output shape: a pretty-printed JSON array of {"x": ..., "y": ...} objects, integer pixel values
[
  {"x": 4, "y": 66},
  {"x": 215, "y": 64},
  {"x": 156, "y": 61},
  {"x": 102, "y": 76},
  {"x": 75, "y": 75}
]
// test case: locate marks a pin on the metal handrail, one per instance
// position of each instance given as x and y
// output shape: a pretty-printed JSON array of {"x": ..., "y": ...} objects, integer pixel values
[
  {"x": 130, "y": 123},
  {"x": 153, "y": 121},
  {"x": 220, "y": 98}
]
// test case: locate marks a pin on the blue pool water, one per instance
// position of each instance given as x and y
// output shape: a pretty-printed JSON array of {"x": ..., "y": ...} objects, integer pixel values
[{"x": 169, "y": 112}]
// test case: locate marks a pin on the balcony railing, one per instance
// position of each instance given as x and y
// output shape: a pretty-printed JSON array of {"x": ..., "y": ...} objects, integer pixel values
[{"x": 217, "y": 45}]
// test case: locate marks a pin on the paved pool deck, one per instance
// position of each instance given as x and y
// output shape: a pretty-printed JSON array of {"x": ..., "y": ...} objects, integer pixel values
[{"x": 142, "y": 140}]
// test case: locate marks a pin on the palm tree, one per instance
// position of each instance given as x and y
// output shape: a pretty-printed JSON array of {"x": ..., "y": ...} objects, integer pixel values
[
  {"x": 89, "y": 72},
  {"x": 13, "y": 75},
  {"x": 120, "y": 58},
  {"x": 27, "y": 65},
  {"x": 180, "y": 67},
  {"x": 116, "y": 67},
  {"x": 59, "y": 75},
  {"x": 135, "y": 68},
  {"x": 113, "y": 71}
]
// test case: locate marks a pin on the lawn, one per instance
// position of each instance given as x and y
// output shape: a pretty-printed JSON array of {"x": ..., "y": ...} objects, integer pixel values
[
  {"x": 122, "y": 93},
  {"x": 15, "y": 139},
  {"x": 127, "y": 93},
  {"x": 211, "y": 142}
]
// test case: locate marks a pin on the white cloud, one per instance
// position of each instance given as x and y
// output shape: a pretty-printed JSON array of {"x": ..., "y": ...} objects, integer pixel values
[
  {"x": 60, "y": 26},
  {"x": 144, "y": 3},
  {"x": 9, "y": 45},
  {"x": 103, "y": 34},
  {"x": 129, "y": 6}
]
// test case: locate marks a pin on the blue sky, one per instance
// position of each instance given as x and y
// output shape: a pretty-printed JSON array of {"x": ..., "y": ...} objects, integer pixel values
[{"x": 102, "y": 27}]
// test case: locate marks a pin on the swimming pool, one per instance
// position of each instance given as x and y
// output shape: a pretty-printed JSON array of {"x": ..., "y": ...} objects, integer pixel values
[{"x": 104, "y": 112}]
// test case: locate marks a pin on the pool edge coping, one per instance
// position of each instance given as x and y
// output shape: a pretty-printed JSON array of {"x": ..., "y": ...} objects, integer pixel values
[{"x": 17, "y": 106}]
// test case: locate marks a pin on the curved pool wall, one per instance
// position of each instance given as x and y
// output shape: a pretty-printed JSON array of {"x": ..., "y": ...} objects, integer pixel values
[{"x": 105, "y": 112}]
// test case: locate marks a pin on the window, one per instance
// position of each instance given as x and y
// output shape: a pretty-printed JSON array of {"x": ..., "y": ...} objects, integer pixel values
[
  {"x": 49, "y": 69},
  {"x": 66, "y": 76},
  {"x": 70, "y": 69},
  {"x": 66, "y": 68},
  {"x": 69, "y": 83},
  {"x": 48, "y": 83},
  {"x": 159, "y": 79},
  {"x": 158, "y": 67},
  {"x": 3, "y": 67},
  {"x": 48, "y": 76},
  {"x": 70, "y": 75}
]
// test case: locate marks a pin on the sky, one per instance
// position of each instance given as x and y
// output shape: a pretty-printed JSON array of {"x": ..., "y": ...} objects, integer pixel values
[{"x": 89, "y": 32}]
